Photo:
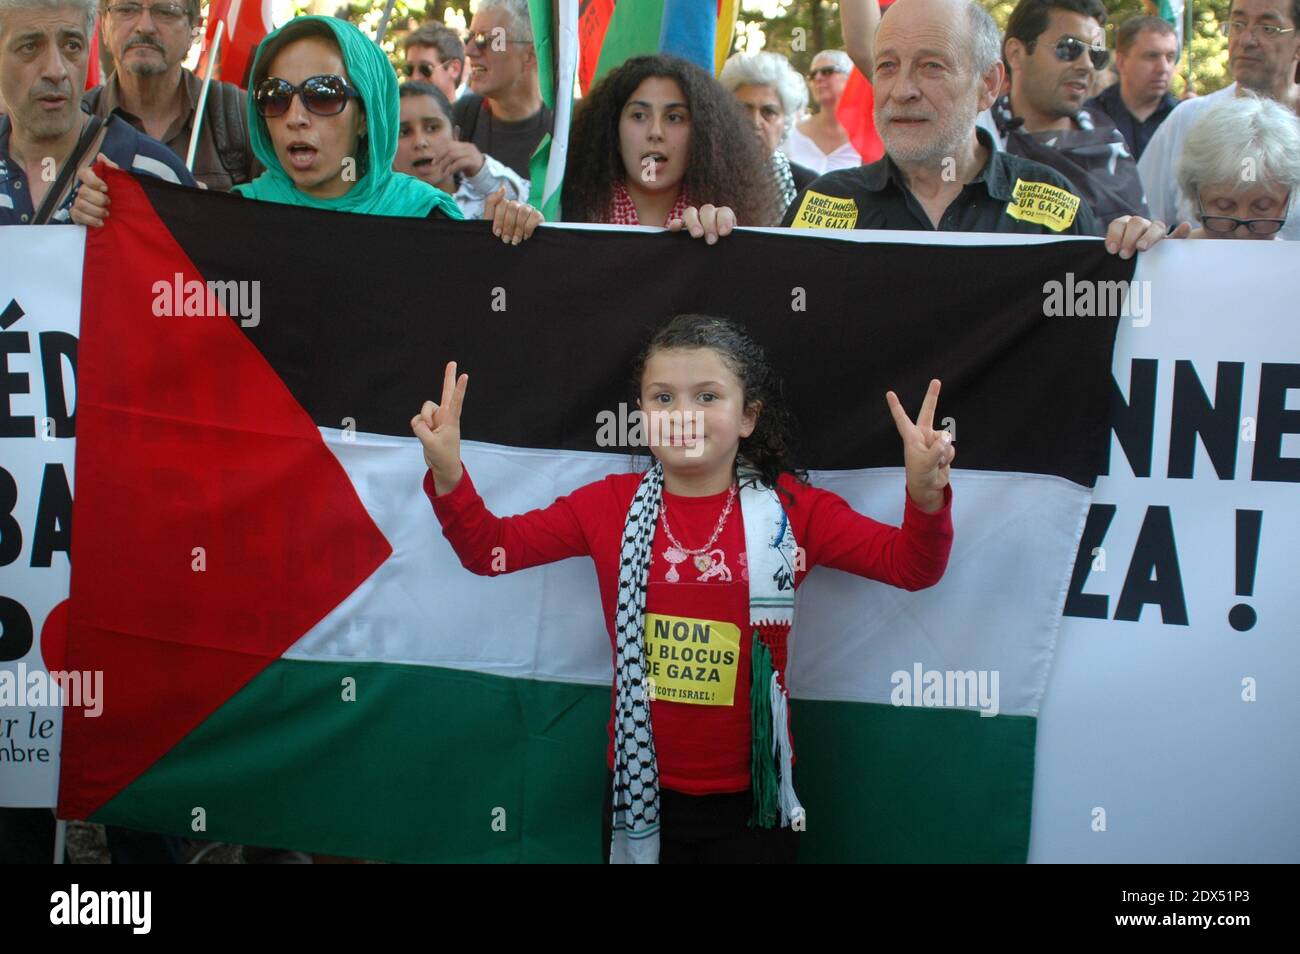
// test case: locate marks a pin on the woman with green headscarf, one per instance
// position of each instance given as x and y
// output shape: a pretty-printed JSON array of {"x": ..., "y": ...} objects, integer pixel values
[
  {"x": 331, "y": 145},
  {"x": 323, "y": 117}
]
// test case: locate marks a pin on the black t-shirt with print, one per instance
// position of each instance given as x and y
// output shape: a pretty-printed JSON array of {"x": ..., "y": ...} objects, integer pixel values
[{"x": 1011, "y": 194}]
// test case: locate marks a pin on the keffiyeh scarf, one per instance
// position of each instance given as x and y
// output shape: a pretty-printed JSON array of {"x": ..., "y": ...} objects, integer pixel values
[
  {"x": 622, "y": 210},
  {"x": 770, "y": 545},
  {"x": 785, "y": 187}
]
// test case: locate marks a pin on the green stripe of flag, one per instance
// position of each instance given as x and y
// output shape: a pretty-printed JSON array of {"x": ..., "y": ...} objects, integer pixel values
[{"x": 435, "y": 764}]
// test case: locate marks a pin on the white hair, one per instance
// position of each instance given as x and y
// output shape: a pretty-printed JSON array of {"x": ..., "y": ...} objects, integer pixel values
[
  {"x": 87, "y": 7},
  {"x": 517, "y": 11},
  {"x": 986, "y": 38},
  {"x": 838, "y": 57},
  {"x": 1246, "y": 140},
  {"x": 767, "y": 69}
]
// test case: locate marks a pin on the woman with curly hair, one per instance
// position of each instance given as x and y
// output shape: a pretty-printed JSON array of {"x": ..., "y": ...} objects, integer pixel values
[{"x": 660, "y": 142}]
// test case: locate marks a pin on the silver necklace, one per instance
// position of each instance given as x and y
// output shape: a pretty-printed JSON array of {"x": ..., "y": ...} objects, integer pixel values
[{"x": 678, "y": 553}]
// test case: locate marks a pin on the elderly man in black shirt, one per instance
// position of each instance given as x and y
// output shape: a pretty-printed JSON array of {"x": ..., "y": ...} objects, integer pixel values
[{"x": 936, "y": 65}]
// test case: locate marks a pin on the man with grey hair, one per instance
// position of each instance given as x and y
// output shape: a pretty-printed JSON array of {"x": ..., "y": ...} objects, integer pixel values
[
  {"x": 503, "y": 114},
  {"x": 47, "y": 136},
  {"x": 936, "y": 65},
  {"x": 772, "y": 95},
  {"x": 152, "y": 91},
  {"x": 1240, "y": 168},
  {"x": 1263, "y": 57}
]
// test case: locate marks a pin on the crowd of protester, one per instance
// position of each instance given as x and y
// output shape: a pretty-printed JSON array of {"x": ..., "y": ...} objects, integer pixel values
[
  {"x": 967, "y": 114},
  {"x": 969, "y": 117}
]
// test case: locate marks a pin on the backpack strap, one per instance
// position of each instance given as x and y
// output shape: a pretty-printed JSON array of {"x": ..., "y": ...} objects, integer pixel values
[
  {"x": 227, "y": 122},
  {"x": 92, "y": 137},
  {"x": 90, "y": 99},
  {"x": 469, "y": 115}
]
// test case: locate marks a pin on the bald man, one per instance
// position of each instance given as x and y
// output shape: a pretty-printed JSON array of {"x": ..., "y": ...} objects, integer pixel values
[{"x": 936, "y": 65}]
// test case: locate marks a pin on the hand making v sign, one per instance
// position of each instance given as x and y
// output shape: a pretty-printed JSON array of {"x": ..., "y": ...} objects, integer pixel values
[
  {"x": 927, "y": 453},
  {"x": 438, "y": 428}
]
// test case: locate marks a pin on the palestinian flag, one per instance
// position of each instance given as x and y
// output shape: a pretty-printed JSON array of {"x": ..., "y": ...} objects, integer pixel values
[
  {"x": 293, "y": 654},
  {"x": 555, "y": 37}
]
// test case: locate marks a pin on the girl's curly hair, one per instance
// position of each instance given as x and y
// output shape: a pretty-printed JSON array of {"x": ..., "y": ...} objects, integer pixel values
[
  {"x": 727, "y": 164},
  {"x": 772, "y": 448}
]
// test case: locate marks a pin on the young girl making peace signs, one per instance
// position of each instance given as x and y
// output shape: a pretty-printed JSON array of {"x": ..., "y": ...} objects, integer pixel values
[{"x": 698, "y": 559}]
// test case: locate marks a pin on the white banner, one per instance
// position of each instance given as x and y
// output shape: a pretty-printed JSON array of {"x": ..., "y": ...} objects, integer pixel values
[
  {"x": 40, "y": 312},
  {"x": 1171, "y": 725},
  {"x": 1170, "y": 731}
]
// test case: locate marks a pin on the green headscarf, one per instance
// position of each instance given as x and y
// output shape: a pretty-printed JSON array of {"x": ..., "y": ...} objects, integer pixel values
[{"x": 378, "y": 190}]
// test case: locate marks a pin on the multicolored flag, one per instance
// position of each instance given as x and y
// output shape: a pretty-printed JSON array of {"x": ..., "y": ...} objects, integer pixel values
[
  {"x": 555, "y": 37},
  {"x": 614, "y": 31},
  {"x": 294, "y": 656}
]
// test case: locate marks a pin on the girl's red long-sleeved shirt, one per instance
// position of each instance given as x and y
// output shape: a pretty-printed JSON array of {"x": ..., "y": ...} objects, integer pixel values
[{"x": 697, "y": 613}]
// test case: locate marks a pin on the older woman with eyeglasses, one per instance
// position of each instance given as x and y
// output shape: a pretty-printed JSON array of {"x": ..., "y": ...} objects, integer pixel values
[
  {"x": 1240, "y": 168},
  {"x": 772, "y": 95},
  {"x": 820, "y": 142}
]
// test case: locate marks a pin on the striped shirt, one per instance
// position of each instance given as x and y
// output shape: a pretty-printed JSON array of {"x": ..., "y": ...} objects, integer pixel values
[{"x": 130, "y": 149}]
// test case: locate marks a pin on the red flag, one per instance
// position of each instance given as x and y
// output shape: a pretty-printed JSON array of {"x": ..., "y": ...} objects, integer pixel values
[
  {"x": 593, "y": 21},
  {"x": 92, "y": 61},
  {"x": 247, "y": 23},
  {"x": 854, "y": 114}
]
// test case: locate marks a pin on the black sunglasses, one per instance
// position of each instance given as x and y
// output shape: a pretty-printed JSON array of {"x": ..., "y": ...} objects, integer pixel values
[
  {"x": 1068, "y": 48},
  {"x": 426, "y": 69},
  {"x": 325, "y": 95}
]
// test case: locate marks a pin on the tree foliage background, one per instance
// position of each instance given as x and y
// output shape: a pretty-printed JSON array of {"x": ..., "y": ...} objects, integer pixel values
[{"x": 799, "y": 28}]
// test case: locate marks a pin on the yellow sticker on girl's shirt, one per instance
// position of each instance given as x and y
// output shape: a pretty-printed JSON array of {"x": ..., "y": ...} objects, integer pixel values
[
  {"x": 692, "y": 660},
  {"x": 1043, "y": 204}
]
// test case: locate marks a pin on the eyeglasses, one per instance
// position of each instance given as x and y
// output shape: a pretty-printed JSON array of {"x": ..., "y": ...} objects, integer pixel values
[
  {"x": 165, "y": 13},
  {"x": 1228, "y": 223},
  {"x": 1240, "y": 27},
  {"x": 483, "y": 40},
  {"x": 1068, "y": 48},
  {"x": 824, "y": 71},
  {"x": 425, "y": 69},
  {"x": 325, "y": 95}
]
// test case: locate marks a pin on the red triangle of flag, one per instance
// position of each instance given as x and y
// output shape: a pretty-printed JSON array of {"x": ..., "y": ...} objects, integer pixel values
[{"x": 213, "y": 527}]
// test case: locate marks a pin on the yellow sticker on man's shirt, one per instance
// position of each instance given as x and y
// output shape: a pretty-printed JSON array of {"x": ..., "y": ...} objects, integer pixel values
[
  {"x": 692, "y": 660},
  {"x": 818, "y": 211},
  {"x": 1043, "y": 204}
]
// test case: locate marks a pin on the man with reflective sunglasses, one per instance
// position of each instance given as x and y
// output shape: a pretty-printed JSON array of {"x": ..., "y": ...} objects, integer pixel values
[
  {"x": 435, "y": 55},
  {"x": 503, "y": 114},
  {"x": 1052, "y": 50},
  {"x": 1263, "y": 57},
  {"x": 46, "y": 137},
  {"x": 152, "y": 91}
]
